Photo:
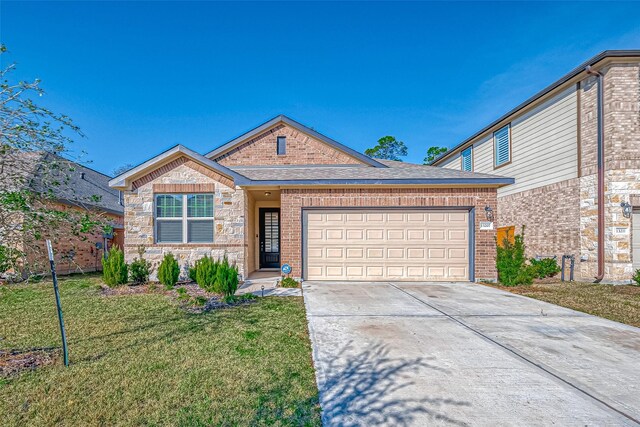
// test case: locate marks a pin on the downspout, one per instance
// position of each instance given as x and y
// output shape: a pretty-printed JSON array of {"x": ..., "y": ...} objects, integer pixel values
[{"x": 600, "y": 116}]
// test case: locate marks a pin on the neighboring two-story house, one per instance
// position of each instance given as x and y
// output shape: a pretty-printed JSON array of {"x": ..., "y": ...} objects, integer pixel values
[
  {"x": 283, "y": 193},
  {"x": 575, "y": 155}
]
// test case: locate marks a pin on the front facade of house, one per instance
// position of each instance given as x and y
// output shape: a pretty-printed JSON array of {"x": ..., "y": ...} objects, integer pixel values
[
  {"x": 285, "y": 194},
  {"x": 549, "y": 144}
]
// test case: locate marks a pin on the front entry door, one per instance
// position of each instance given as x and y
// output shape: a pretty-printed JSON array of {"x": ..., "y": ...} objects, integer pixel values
[{"x": 269, "y": 237}]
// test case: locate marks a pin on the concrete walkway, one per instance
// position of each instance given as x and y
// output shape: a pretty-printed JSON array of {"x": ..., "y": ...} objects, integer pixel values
[
  {"x": 264, "y": 283},
  {"x": 466, "y": 354}
]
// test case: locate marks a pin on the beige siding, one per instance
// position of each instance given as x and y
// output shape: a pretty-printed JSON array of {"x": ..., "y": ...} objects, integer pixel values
[
  {"x": 453, "y": 163},
  {"x": 544, "y": 146}
]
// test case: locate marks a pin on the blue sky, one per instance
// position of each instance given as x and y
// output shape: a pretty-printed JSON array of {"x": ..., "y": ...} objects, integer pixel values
[{"x": 141, "y": 77}]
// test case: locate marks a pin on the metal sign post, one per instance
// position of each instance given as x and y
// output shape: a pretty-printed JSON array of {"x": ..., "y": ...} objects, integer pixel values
[{"x": 65, "y": 351}]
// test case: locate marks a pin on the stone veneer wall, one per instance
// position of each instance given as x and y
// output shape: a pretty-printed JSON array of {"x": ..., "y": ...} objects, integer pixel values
[
  {"x": 293, "y": 200},
  {"x": 301, "y": 150},
  {"x": 229, "y": 221},
  {"x": 622, "y": 166},
  {"x": 551, "y": 216}
]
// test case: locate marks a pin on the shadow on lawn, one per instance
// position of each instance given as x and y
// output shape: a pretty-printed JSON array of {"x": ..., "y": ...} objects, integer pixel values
[{"x": 364, "y": 391}]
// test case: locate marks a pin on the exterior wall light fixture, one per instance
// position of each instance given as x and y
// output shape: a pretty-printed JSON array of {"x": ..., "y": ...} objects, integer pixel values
[
  {"x": 488, "y": 212},
  {"x": 626, "y": 209},
  {"x": 267, "y": 193}
]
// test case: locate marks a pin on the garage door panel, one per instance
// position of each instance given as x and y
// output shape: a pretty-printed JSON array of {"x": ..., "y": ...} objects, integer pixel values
[{"x": 391, "y": 245}]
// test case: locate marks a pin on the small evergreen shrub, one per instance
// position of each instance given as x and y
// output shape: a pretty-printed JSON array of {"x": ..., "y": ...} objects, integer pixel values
[
  {"x": 114, "y": 269},
  {"x": 636, "y": 277},
  {"x": 139, "y": 268},
  {"x": 546, "y": 267},
  {"x": 226, "y": 278},
  {"x": 192, "y": 273},
  {"x": 289, "y": 282},
  {"x": 206, "y": 273},
  {"x": 169, "y": 271},
  {"x": 512, "y": 263}
]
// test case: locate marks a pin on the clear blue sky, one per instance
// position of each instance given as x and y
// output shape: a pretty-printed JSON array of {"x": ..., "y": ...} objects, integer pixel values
[{"x": 141, "y": 77}]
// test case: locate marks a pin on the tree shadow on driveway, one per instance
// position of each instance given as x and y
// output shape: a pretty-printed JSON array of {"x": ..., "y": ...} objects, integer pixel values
[{"x": 368, "y": 388}]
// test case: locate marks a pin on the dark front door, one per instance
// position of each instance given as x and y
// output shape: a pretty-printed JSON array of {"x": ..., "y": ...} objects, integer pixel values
[{"x": 269, "y": 237}]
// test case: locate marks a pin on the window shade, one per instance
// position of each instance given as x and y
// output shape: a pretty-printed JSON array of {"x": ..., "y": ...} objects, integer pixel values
[
  {"x": 169, "y": 231},
  {"x": 467, "y": 161},
  {"x": 502, "y": 146},
  {"x": 200, "y": 231}
]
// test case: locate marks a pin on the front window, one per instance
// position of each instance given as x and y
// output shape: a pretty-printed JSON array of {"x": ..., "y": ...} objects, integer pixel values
[
  {"x": 184, "y": 218},
  {"x": 466, "y": 161}
]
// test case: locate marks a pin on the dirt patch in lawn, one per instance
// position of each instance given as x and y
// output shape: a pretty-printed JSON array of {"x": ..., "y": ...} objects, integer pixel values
[
  {"x": 615, "y": 302},
  {"x": 13, "y": 362}
]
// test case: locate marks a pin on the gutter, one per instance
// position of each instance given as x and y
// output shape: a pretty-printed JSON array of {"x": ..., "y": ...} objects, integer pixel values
[{"x": 600, "y": 114}]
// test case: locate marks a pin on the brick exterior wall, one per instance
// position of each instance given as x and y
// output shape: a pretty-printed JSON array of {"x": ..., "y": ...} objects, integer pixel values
[
  {"x": 184, "y": 176},
  {"x": 293, "y": 200},
  {"x": 301, "y": 149},
  {"x": 550, "y": 215},
  {"x": 562, "y": 218}
]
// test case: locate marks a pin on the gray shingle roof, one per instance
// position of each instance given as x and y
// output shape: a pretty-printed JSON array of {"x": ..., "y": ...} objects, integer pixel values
[
  {"x": 396, "y": 173},
  {"x": 77, "y": 184}
]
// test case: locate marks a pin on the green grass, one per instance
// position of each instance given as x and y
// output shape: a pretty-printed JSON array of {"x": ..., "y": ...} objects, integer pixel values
[
  {"x": 141, "y": 360},
  {"x": 614, "y": 302}
]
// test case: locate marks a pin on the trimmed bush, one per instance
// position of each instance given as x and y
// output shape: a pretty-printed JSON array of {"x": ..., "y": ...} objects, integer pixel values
[
  {"x": 546, "y": 267},
  {"x": 139, "y": 269},
  {"x": 636, "y": 277},
  {"x": 114, "y": 269},
  {"x": 226, "y": 278},
  {"x": 289, "y": 282},
  {"x": 512, "y": 263},
  {"x": 205, "y": 271},
  {"x": 169, "y": 271}
]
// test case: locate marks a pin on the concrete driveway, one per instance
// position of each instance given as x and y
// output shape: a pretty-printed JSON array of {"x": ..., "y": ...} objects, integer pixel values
[{"x": 466, "y": 354}]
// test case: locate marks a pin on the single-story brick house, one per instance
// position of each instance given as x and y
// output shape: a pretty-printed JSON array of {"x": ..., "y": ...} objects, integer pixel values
[{"x": 284, "y": 193}]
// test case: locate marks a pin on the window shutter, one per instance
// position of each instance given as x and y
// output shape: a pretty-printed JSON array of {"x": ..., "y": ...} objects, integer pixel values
[
  {"x": 467, "y": 161},
  {"x": 169, "y": 231},
  {"x": 502, "y": 146},
  {"x": 200, "y": 231}
]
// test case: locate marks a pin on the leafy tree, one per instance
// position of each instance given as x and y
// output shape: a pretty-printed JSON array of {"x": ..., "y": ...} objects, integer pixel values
[
  {"x": 388, "y": 148},
  {"x": 34, "y": 173},
  {"x": 433, "y": 153}
]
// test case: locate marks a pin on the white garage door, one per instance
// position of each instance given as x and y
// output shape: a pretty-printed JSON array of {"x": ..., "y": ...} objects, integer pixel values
[{"x": 387, "y": 245}]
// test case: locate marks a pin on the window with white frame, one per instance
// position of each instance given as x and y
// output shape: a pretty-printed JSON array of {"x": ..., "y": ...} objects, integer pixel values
[
  {"x": 466, "y": 160},
  {"x": 184, "y": 218},
  {"x": 502, "y": 146}
]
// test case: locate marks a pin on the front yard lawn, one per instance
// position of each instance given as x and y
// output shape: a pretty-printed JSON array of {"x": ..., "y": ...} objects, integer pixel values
[
  {"x": 139, "y": 359},
  {"x": 615, "y": 302}
]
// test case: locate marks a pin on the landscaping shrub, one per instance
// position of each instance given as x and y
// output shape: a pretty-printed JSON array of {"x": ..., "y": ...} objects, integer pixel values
[
  {"x": 192, "y": 273},
  {"x": 169, "y": 271},
  {"x": 636, "y": 277},
  {"x": 512, "y": 263},
  {"x": 288, "y": 282},
  {"x": 114, "y": 269},
  {"x": 206, "y": 273},
  {"x": 226, "y": 278},
  {"x": 139, "y": 268},
  {"x": 545, "y": 267}
]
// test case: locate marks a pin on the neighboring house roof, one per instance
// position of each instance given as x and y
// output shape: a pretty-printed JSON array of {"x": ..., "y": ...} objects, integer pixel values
[
  {"x": 299, "y": 126},
  {"x": 402, "y": 174},
  {"x": 580, "y": 69},
  {"x": 124, "y": 180},
  {"x": 76, "y": 184}
]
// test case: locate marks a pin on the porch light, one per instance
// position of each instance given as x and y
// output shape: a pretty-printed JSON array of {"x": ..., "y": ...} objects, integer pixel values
[
  {"x": 267, "y": 193},
  {"x": 488, "y": 212},
  {"x": 626, "y": 209}
]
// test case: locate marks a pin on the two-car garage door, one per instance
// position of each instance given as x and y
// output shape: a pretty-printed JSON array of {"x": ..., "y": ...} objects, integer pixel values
[{"x": 387, "y": 245}]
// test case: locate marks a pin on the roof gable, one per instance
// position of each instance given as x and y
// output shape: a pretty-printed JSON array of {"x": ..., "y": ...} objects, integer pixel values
[{"x": 265, "y": 136}]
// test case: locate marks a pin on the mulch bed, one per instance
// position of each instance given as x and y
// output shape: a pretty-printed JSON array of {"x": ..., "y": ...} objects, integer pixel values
[{"x": 13, "y": 362}]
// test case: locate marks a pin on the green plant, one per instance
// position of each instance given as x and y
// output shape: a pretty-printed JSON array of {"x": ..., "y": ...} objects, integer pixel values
[
  {"x": 545, "y": 267},
  {"x": 205, "y": 271},
  {"x": 139, "y": 268},
  {"x": 636, "y": 277},
  {"x": 199, "y": 301},
  {"x": 226, "y": 278},
  {"x": 247, "y": 297},
  {"x": 8, "y": 258},
  {"x": 182, "y": 294},
  {"x": 289, "y": 282},
  {"x": 169, "y": 271},
  {"x": 114, "y": 269},
  {"x": 192, "y": 273},
  {"x": 512, "y": 263}
]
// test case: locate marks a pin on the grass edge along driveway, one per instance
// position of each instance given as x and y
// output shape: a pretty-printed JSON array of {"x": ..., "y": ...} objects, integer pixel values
[{"x": 142, "y": 360}]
